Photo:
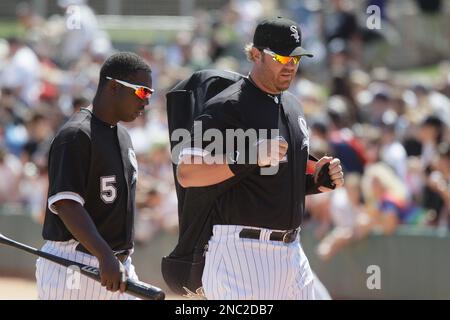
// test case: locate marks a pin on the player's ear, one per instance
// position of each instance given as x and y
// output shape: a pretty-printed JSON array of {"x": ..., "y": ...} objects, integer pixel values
[
  {"x": 113, "y": 86},
  {"x": 256, "y": 54}
]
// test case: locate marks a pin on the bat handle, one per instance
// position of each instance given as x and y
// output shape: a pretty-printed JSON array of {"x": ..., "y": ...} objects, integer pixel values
[{"x": 145, "y": 291}]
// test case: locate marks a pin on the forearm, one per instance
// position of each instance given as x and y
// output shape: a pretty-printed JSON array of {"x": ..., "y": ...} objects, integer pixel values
[
  {"x": 193, "y": 171},
  {"x": 81, "y": 226}
]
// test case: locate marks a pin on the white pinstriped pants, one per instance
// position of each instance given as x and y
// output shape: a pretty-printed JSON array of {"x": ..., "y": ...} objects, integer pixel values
[
  {"x": 52, "y": 278},
  {"x": 251, "y": 269}
]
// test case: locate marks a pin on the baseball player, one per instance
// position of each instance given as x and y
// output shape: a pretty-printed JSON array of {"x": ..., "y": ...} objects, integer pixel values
[
  {"x": 254, "y": 251},
  {"x": 92, "y": 181}
]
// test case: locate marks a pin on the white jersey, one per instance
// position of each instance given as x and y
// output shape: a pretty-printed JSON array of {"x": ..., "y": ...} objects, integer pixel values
[
  {"x": 54, "y": 281},
  {"x": 251, "y": 269}
]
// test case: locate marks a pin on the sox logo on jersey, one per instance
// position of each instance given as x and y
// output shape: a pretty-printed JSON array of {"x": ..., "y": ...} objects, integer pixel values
[{"x": 133, "y": 161}]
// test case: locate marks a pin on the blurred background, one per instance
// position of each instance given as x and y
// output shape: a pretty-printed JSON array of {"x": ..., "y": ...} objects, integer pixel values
[{"x": 376, "y": 95}]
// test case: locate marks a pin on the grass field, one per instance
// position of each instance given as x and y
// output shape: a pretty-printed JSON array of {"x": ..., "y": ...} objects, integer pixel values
[{"x": 10, "y": 28}]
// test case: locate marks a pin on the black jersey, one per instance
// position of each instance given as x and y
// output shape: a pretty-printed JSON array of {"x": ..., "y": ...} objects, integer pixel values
[
  {"x": 93, "y": 163},
  {"x": 269, "y": 201}
]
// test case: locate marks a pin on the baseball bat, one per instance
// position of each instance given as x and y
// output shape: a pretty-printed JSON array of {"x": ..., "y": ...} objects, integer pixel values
[{"x": 136, "y": 288}]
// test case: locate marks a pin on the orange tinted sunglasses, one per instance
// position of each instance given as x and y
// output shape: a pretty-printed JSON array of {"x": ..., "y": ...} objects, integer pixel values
[
  {"x": 142, "y": 92},
  {"x": 282, "y": 59}
]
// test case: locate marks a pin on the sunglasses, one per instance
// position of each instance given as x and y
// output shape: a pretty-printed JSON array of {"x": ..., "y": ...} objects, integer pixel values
[
  {"x": 282, "y": 59},
  {"x": 141, "y": 91}
]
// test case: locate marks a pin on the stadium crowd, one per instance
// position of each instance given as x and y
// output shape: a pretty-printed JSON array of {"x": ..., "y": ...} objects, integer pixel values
[{"x": 389, "y": 129}]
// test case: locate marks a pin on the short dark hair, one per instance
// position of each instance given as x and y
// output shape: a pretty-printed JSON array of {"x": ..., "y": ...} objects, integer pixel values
[
  {"x": 435, "y": 122},
  {"x": 121, "y": 66}
]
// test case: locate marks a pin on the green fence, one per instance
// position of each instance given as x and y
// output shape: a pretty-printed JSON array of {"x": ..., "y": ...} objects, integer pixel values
[{"x": 413, "y": 264}]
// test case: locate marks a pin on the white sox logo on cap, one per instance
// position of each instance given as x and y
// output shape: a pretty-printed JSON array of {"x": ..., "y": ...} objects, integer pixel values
[{"x": 295, "y": 33}]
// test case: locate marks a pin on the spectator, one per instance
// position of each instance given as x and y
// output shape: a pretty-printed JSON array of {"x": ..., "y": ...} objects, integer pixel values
[
  {"x": 388, "y": 203},
  {"x": 341, "y": 22},
  {"x": 343, "y": 142},
  {"x": 157, "y": 210},
  {"x": 33, "y": 188},
  {"x": 10, "y": 173},
  {"x": 82, "y": 31},
  {"x": 149, "y": 198},
  {"x": 438, "y": 184},
  {"x": 22, "y": 72},
  {"x": 422, "y": 101},
  {"x": 34, "y": 25},
  {"x": 351, "y": 222},
  {"x": 79, "y": 102},
  {"x": 40, "y": 134},
  {"x": 356, "y": 98},
  {"x": 392, "y": 151},
  {"x": 432, "y": 131}
]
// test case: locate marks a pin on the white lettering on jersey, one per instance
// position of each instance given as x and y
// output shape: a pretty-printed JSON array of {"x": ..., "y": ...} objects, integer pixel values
[{"x": 108, "y": 192}]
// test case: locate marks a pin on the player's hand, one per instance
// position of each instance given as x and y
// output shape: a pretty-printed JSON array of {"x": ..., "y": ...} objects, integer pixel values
[
  {"x": 112, "y": 273},
  {"x": 335, "y": 172},
  {"x": 271, "y": 151}
]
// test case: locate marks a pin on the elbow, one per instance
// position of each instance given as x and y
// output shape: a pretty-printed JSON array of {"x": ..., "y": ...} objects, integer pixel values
[{"x": 183, "y": 176}]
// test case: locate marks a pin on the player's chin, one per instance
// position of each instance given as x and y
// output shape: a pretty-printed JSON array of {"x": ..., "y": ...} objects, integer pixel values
[
  {"x": 284, "y": 85},
  {"x": 131, "y": 117}
]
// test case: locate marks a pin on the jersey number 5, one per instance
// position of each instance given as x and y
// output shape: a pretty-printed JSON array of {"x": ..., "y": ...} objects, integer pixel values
[{"x": 108, "y": 191}]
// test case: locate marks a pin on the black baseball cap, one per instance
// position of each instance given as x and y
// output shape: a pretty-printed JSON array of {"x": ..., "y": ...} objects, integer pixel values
[{"x": 281, "y": 35}]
